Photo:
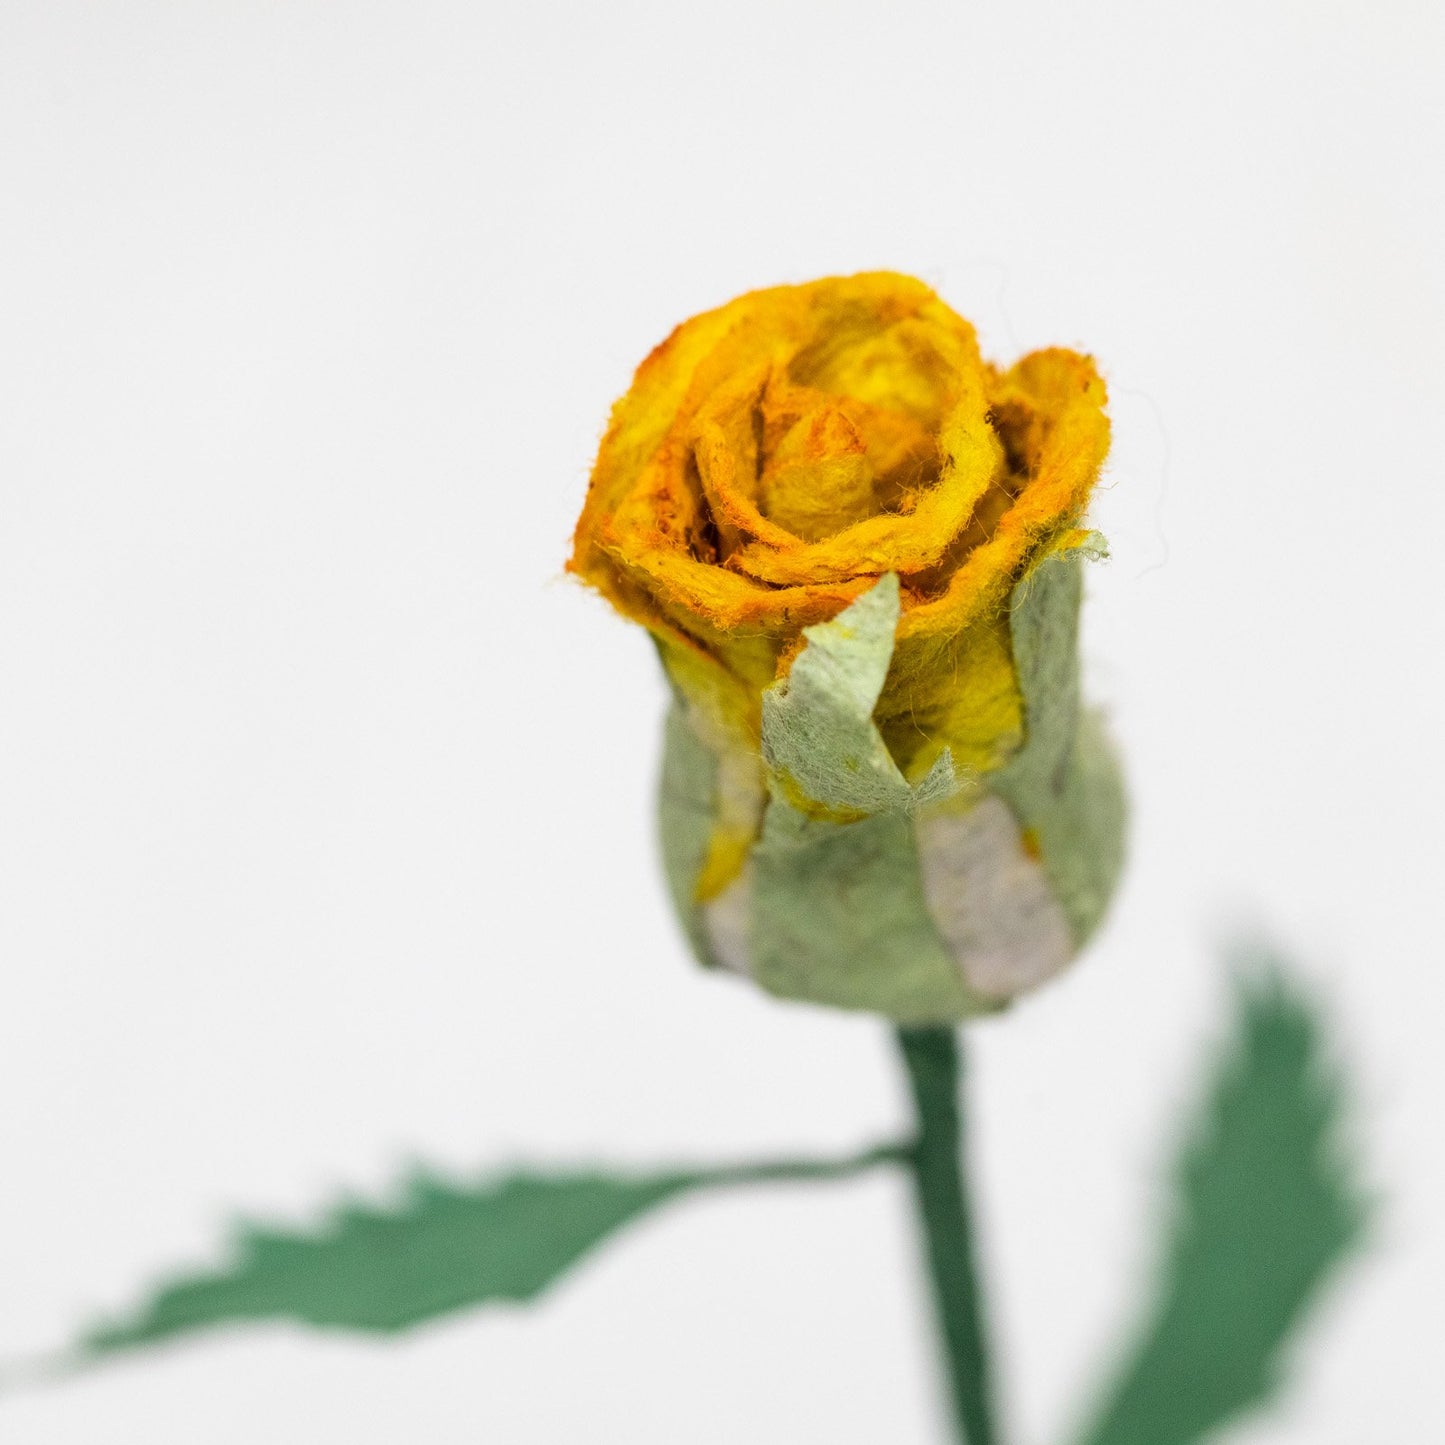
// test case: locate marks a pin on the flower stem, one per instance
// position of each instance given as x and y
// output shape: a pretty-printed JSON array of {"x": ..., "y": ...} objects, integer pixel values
[{"x": 932, "y": 1058}]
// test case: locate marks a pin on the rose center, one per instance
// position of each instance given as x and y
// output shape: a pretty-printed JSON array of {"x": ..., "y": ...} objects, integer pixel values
[{"x": 826, "y": 462}]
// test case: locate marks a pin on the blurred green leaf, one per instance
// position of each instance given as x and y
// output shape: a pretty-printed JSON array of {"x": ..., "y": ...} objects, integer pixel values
[
  {"x": 1265, "y": 1208},
  {"x": 442, "y": 1248}
]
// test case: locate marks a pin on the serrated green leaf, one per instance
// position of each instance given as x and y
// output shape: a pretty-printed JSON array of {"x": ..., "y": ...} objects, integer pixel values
[
  {"x": 1266, "y": 1207},
  {"x": 442, "y": 1248}
]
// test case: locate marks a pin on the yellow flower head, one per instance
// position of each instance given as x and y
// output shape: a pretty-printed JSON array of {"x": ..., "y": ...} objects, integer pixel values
[{"x": 777, "y": 457}]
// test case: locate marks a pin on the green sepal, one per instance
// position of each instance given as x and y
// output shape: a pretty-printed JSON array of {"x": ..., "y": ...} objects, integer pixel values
[
  {"x": 1064, "y": 785},
  {"x": 838, "y": 916},
  {"x": 821, "y": 747},
  {"x": 686, "y": 810}
]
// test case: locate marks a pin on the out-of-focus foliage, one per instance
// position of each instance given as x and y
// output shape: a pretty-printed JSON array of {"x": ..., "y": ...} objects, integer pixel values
[{"x": 1265, "y": 1207}]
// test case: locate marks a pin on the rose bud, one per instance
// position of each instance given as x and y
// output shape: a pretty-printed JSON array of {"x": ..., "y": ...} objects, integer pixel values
[{"x": 858, "y": 547}]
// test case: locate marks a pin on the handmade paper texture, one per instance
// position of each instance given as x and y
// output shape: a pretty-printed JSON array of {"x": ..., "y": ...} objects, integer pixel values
[
  {"x": 821, "y": 749},
  {"x": 857, "y": 547},
  {"x": 1064, "y": 786},
  {"x": 926, "y": 903}
]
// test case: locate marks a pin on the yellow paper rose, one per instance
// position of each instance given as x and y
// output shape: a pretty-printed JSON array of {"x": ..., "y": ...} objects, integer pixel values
[{"x": 772, "y": 461}]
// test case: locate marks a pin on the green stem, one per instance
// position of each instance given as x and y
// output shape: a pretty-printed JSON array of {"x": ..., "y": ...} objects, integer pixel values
[{"x": 932, "y": 1058}]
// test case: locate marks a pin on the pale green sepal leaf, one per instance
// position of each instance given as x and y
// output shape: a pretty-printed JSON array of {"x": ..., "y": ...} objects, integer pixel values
[
  {"x": 1064, "y": 785},
  {"x": 1266, "y": 1208},
  {"x": 686, "y": 806},
  {"x": 820, "y": 744},
  {"x": 839, "y": 917},
  {"x": 444, "y": 1247}
]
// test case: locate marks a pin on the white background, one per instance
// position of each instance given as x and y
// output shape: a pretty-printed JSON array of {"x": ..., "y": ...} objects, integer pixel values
[{"x": 325, "y": 802}]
